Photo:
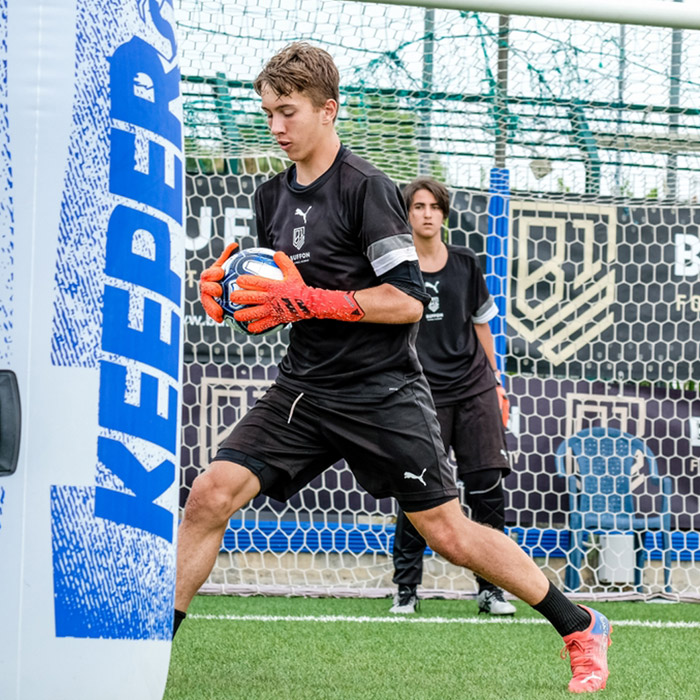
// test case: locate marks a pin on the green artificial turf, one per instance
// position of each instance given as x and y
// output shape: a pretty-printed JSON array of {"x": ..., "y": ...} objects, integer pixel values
[{"x": 313, "y": 659}]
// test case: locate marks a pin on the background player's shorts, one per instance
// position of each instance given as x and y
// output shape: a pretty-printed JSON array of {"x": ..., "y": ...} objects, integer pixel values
[
  {"x": 392, "y": 445},
  {"x": 474, "y": 429}
]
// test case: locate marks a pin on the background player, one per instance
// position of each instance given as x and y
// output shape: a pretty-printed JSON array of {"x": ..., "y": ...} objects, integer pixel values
[
  {"x": 350, "y": 385},
  {"x": 455, "y": 348}
]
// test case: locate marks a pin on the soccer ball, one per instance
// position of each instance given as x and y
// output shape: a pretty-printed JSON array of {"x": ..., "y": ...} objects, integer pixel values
[{"x": 253, "y": 261}]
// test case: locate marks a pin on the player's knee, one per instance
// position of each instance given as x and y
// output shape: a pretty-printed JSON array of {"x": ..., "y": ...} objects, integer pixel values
[
  {"x": 207, "y": 501},
  {"x": 482, "y": 482},
  {"x": 485, "y": 497},
  {"x": 453, "y": 540}
]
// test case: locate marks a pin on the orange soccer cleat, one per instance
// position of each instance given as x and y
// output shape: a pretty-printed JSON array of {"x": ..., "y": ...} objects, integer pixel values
[{"x": 588, "y": 652}]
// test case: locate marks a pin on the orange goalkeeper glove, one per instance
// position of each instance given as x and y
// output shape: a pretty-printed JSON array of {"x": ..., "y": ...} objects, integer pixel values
[
  {"x": 209, "y": 287},
  {"x": 289, "y": 299},
  {"x": 503, "y": 402}
]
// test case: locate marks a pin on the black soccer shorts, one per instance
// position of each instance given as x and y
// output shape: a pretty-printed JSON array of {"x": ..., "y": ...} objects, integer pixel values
[
  {"x": 474, "y": 429},
  {"x": 392, "y": 445}
]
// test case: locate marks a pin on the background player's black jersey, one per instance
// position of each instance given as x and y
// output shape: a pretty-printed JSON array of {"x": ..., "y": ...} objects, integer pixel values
[
  {"x": 343, "y": 231},
  {"x": 453, "y": 359}
]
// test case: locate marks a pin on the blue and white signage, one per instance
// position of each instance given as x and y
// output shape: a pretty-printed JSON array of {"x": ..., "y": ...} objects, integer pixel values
[{"x": 91, "y": 268}]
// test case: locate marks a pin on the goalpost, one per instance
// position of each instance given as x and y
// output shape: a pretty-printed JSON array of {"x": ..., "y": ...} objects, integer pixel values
[
  {"x": 569, "y": 136},
  {"x": 655, "y": 13}
]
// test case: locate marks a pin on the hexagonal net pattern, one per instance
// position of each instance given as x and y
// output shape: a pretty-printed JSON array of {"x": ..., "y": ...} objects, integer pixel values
[{"x": 570, "y": 151}]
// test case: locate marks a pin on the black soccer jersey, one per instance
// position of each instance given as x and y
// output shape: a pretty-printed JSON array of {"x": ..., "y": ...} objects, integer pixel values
[
  {"x": 453, "y": 359},
  {"x": 342, "y": 231}
]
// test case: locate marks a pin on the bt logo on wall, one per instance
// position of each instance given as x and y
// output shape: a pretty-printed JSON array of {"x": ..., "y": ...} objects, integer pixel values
[{"x": 687, "y": 255}]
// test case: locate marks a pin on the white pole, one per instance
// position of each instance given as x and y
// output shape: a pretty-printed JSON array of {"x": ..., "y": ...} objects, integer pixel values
[{"x": 649, "y": 12}]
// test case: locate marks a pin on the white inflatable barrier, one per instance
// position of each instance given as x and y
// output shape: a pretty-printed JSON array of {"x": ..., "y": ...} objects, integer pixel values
[{"x": 91, "y": 269}]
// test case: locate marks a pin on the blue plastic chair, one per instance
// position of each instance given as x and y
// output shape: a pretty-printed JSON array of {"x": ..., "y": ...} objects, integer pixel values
[{"x": 604, "y": 492}]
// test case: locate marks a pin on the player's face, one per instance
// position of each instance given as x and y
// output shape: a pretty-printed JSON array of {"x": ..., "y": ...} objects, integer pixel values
[
  {"x": 296, "y": 123},
  {"x": 425, "y": 215}
]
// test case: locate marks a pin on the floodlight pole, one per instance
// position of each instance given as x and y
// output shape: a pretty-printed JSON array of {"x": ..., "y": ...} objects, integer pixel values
[
  {"x": 424, "y": 146},
  {"x": 621, "y": 67},
  {"x": 674, "y": 100},
  {"x": 501, "y": 108},
  {"x": 648, "y": 12}
]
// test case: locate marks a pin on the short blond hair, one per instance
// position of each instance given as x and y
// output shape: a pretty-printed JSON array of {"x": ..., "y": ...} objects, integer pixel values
[{"x": 300, "y": 67}]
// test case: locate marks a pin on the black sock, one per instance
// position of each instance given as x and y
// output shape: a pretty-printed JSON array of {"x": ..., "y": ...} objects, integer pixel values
[
  {"x": 178, "y": 617},
  {"x": 562, "y": 613},
  {"x": 484, "y": 585}
]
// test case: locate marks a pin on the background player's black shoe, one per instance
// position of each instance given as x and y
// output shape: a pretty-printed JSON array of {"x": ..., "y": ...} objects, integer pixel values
[
  {"x": 405, "y": 601},
  {"x": 492, "y": 601}
]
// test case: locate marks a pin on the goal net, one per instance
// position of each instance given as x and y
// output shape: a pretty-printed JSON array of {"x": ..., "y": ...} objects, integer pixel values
[{"x": 571, "y": 152}]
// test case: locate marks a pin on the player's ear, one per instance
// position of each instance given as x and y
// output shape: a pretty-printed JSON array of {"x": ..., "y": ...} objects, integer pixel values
[{"x": 330, "y": 111}]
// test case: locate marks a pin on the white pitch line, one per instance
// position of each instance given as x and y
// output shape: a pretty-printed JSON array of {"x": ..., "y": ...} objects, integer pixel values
[{"x": 655, "y": 624}]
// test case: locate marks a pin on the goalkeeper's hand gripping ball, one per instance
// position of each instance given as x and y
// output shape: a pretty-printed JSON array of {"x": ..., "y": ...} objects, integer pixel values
[
  {"x": 271, "y": 302},
  {"x": 210, "y": 289}
]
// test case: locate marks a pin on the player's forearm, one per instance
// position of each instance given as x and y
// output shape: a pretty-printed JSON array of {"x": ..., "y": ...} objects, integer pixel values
[
  {"x": 483, "y": 333},
  {"x": 270, "y": 302},
  {"x": 387, "y": 304}
]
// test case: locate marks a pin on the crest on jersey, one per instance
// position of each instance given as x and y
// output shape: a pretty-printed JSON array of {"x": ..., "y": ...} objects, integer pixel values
[
  {"x": 299, "y": 237},
  {"x": 434, "y": 304},
  {"x": 562, "y": 282}
]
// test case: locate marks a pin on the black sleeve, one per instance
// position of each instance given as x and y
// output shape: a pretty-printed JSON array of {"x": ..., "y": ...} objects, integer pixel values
[
  {"x": 407, "y": 277},
  {"x": 480, "y": 292},
  {"x": 483, "y": 304},
  {"x": 383, "y": 212}
]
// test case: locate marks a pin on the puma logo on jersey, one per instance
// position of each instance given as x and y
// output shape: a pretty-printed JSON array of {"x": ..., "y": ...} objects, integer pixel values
[
  {"x": 409, "y": 475},
  {"x": 433, "y": 285},
  {"x": 303, "y": 214}
]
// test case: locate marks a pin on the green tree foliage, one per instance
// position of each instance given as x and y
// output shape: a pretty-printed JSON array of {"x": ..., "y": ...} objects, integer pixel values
[{"x": 377, "y": 127}]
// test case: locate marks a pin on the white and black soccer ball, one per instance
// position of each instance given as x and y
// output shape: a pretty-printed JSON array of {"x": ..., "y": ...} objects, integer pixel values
[{"x": 253, "y": 261}]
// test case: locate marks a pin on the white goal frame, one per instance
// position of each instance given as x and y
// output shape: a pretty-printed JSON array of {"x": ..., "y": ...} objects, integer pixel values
[{"x": 655, "y": 13}]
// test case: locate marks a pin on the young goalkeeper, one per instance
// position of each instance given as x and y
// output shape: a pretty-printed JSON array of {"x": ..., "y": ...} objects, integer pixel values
[
  {"x": 455, "y": 349},
  {"x": 350, "y": 385}
]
